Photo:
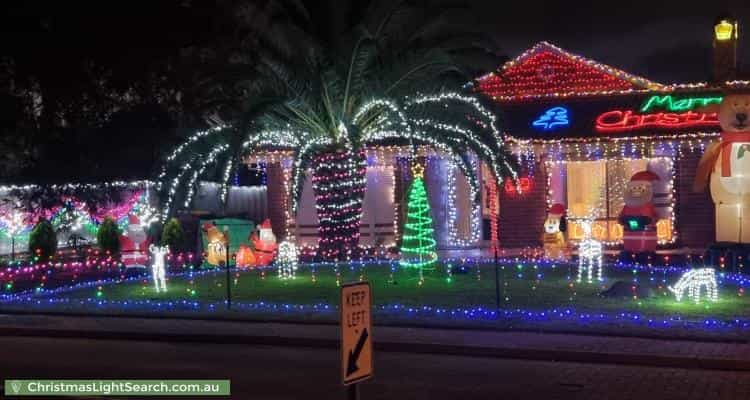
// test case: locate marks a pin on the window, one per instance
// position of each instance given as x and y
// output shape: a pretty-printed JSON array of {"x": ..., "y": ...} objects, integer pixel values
[{"x": 597, "y": 188}]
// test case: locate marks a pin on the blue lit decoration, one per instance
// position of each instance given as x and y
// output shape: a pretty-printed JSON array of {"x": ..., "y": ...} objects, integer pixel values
[
  {"x": 43, "y": 299},
  {"x": 553, "y": 118}
]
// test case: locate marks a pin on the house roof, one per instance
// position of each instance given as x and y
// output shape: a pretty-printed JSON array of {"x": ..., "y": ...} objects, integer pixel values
[{"x": 547, "y": 71}]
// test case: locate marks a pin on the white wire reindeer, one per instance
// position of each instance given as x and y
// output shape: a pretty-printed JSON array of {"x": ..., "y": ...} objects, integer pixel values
[
  {"x": 590, "y": 253},
  {"x": 159, "y": 268},
  {"x": 692, "y": 281}
]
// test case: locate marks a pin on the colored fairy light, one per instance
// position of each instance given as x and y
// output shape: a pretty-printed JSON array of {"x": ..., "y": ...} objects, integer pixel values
[
  {"x": 336, "y": 158},
  {"x": 339, "y": 185},
  {"x": 77, "y": 216},
  {"x": 546, "y": 71},
  {"x": 692, "y": 281}
]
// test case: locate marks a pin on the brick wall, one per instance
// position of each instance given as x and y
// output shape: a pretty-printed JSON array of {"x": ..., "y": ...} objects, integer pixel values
[
  {"x": 694, "y": 211},
  {"x": 276, "y": 198},
  {"x": 521, "y": 221}
]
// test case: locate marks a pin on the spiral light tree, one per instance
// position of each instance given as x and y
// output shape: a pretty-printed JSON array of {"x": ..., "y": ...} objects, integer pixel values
[{"x": 418, "y": 243}]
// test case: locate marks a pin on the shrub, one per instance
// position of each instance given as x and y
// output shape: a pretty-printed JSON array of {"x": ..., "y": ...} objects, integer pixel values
[
  {"x": 108, "y": 236},
  {"x": 173, "y": 236},
  {"x": 44, "y": 239}
]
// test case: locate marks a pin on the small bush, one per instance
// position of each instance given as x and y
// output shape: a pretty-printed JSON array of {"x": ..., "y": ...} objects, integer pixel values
[
  {"x": 108, "y": 236},
  {"x": 173, "y": 236},
  {"x": 44, "y": 239}
]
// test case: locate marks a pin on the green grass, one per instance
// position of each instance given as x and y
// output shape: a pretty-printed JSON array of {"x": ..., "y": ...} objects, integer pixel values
[{"x": 520, "y": 288}]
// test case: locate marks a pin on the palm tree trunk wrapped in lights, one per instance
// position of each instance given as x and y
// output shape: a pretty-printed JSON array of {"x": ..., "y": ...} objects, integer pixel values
[
  {"x": 325, "y": 103},
  {"x": 339, "y": 184}
]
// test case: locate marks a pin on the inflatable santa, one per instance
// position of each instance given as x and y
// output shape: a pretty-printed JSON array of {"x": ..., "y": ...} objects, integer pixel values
[
  {"x": 265, "y": 243},
  {"x": 133, "y": 244},
  {"x": 553, "y": 238},
  {"x": 727, "y": 164},
  {"x": 638, "y": 216}
]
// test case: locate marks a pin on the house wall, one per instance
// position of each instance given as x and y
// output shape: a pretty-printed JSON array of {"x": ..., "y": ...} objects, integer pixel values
[
  {"x": 694, "y": 211},
  {"x": 521, "y": 221},
  {"x": 377, "y": 217}
]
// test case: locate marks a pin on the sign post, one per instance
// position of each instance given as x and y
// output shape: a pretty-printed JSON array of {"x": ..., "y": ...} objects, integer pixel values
[{"x": 356, "y": 335}]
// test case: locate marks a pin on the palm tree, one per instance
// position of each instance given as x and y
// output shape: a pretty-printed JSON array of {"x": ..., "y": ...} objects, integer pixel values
[{"x": 360, "y": 92}]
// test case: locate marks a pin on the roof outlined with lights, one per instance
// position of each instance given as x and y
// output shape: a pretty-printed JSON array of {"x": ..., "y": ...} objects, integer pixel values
[{"x": 547, "y": 71}]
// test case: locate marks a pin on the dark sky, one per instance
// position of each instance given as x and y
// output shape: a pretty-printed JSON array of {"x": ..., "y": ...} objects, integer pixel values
[{"x": 664, "y": 40}]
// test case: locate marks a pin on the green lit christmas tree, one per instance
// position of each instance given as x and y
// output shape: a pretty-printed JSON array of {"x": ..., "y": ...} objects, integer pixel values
[{"x": 418, "y": 242}]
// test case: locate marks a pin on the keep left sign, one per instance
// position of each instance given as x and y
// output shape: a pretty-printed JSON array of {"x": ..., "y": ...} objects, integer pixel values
[{"x": 356, "y": 332}]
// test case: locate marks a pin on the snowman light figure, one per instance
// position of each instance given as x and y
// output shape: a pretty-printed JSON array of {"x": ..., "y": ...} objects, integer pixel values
[{"x": 159, "y": 269}]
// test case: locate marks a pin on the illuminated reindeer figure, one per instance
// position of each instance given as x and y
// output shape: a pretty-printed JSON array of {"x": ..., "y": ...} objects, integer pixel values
[
  {"x": 692, "y": 281},
  {"x": 590, "y": 253}
]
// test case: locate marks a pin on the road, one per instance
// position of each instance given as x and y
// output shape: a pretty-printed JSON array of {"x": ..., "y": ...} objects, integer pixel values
[{"x": 264, "y": 372}]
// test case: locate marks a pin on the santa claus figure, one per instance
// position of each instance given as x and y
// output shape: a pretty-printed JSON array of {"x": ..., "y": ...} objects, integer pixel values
[
  {"x": 638, "y": 216},
  {"x": 265, "y": 243},
  {"x": 553, "y": 238},
  {"x": 133, "y": 244}
]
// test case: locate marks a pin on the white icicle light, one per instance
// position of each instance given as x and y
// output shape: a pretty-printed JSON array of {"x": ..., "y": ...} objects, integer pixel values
[
  {"x": 159, "y": 267},
  {"x": 377, "y": 120},
  {"x": 453, "y": 236},
  {"x": 692, "y": 281},
  {"x": 287, "y": 260},
  {"x": 589, "y": 254}
]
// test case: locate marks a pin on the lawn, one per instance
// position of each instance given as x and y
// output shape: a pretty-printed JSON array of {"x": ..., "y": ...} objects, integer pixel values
[
  {"x": 532, "y": 296},
  {"x": 522, "y": 286}
]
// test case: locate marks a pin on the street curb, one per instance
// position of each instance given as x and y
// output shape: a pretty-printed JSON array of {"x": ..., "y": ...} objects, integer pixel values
[{"x": 647, "y": 360}]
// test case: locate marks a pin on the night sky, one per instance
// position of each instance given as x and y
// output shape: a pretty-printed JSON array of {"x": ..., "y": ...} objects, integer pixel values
[
  {"x": 55, "y": 42},
  {"x": 663, "y": 40},
  {"x": 666, "y": 41}
]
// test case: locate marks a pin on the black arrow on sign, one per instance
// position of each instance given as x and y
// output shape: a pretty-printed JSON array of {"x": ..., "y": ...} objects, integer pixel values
[{"x": 351, "y": 365}]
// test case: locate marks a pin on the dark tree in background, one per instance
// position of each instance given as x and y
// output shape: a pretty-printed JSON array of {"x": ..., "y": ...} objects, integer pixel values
[
  {"x": 43, "y": 240},
  {"x": 86, "y": 92},
  {"x": 100, "y": 90},
  {"x": 108, "y": 236},
  {"x": 173, "y": 236}
]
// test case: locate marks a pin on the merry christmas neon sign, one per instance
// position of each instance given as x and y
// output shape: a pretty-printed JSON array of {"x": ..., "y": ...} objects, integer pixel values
[
  {"x": 684, "y": 104},
  {"x": 628, "y": 120}
]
